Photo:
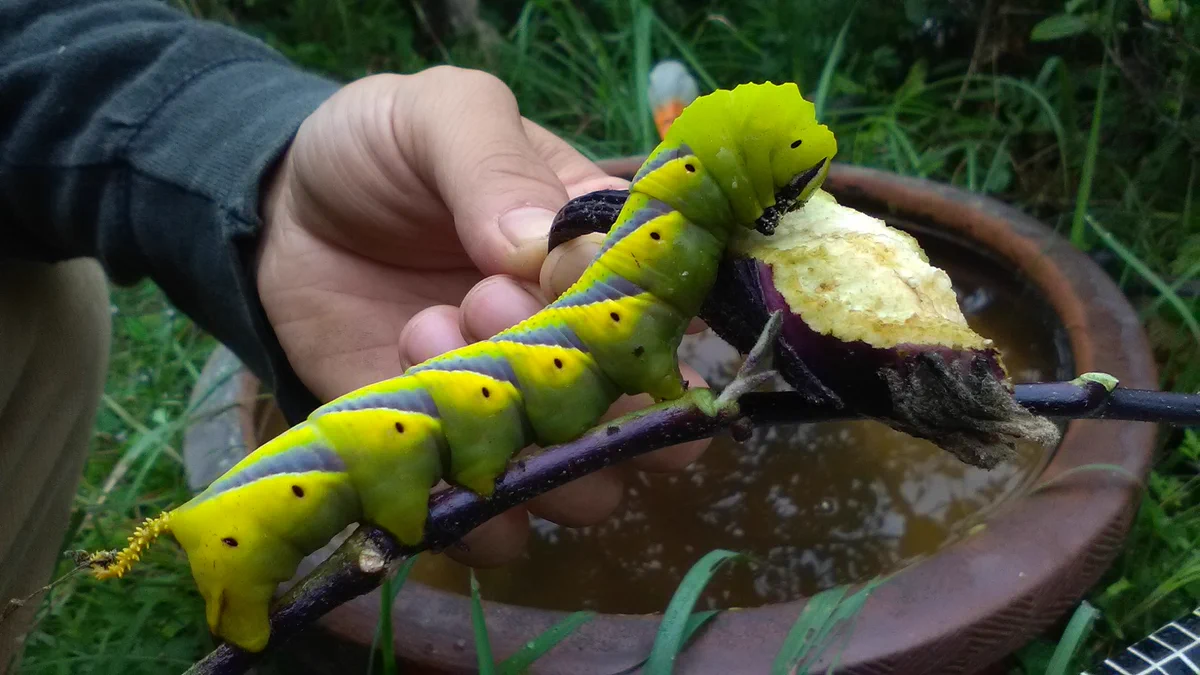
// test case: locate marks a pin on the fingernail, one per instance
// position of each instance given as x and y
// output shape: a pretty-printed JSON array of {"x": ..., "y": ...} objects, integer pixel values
[{"x": 526, "y": 224}]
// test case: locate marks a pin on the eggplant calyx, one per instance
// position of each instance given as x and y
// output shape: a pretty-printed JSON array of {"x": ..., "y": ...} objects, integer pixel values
[{"x": 966, "y": 410}]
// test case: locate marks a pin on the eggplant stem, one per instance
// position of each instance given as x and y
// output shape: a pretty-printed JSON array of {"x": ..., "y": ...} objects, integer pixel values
[{"x": 757, "y": 369}]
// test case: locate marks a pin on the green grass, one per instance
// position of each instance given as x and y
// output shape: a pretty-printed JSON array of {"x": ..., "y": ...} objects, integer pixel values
[
  {"x": 1095, "y": 132},
  {"x": 1076, "y": 632},
  {"x": 520, "y": 662},
  {"x": 155, "y": 619},
  {"x": 386, "y": 646},
  {"x": 827, "y": 615}
]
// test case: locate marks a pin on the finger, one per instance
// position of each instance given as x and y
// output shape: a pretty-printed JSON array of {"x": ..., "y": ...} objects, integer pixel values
[
  {"x": 430, "y": 332},
  {"x": 578, "y": 173},
  {"x": 497, "y": 542},
  {"x": 470, "y": 139},
  {"x": 495, "y": 304},
  {"x": 585, "y": 501},
  {"x": 566, "y": 263},
  {"x": 594, "y": 184}
]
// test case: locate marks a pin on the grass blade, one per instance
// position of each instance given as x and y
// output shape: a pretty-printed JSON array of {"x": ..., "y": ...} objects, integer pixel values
[
  {"x": 1188, "y": 274},
  {"x": 830, "y": 67},
  {"x": 1194, "y": 268},
  {"x": 1086, "y": 468},
  {"x": 670, "y": 639},
  {"x": 903, "y": 148},
  {"x": 533, "y": 650},
  {"x": 1078, "y": 629},
  {"x": 1054, "y": 65},
  {"x": 688, "y": 55},
  {"x": 694, "y": 623},
  {"x": 483, "y": 645},
  {"x": 387, "y": 594},
  {"x": 133, "y": 634},
  {"x": 810, "y": 635},
  {"x": 643, "y": 19},
  {"x": 1084, "y": 195},
  {"x": 972, "y": 153},
  {"x": 1000, "y": 161},
  {"x": 801, "y": 638},
  {"x": 1187, "y": 574},
  {"x": 1171, "y": 297},
  {"x": 1058, "y": 27}
]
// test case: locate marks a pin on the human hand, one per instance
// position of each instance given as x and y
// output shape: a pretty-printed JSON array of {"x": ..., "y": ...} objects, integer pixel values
[{"x": 409, "y": 217}]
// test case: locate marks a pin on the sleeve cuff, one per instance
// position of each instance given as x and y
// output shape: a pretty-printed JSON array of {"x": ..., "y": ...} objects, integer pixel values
[{"x": 209, "y": 144}]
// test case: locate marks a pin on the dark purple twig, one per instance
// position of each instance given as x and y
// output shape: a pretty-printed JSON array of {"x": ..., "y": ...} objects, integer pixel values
[
  {"x": 1077, "y": 399},
  {"x": 1063, "y": 399},
  {"x": 370, "y": 554}
]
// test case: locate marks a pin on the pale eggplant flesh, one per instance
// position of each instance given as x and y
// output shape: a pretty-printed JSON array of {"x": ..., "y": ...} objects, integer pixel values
[{"x": 870, "y": 327}]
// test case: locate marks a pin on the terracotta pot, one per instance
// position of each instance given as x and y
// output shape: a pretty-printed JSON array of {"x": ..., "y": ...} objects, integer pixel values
[{"x": 959, "y": 611}]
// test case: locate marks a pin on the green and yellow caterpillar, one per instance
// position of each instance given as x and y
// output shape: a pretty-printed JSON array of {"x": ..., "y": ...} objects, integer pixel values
[{"x": 733, "y": 159}]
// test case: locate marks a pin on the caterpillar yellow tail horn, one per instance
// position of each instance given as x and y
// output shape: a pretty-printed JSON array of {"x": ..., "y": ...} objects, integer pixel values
[{"x": 107, "y": 565}]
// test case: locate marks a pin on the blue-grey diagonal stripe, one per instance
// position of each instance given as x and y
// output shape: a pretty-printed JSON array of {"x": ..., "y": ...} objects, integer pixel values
[
  {"x": 549, "y": 335},
  {"x": 614, "y": 287},
  {"x": 301, "y": 459},
  {"x": 653, "y": 209},
  {"x": 415, "y": 400},
  {"x": 495, "y": 367},
  {"x": 659, "y": 160}
]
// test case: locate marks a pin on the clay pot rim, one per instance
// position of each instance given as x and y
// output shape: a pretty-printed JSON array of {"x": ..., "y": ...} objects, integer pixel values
[{"x": 964, "y": 607}]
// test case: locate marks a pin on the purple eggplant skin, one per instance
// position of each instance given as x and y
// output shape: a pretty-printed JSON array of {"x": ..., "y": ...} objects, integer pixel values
[
  {"x": 959, "y": 399},
  {"x": 735, "y": 310},
  {"x": 851, "y": 368}
]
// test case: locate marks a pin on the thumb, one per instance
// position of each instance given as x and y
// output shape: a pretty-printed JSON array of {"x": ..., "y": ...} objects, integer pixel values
[{"x": 502, "y": 194}]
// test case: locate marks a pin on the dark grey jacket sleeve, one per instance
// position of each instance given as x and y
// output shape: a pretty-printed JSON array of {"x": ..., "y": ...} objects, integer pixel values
[{"x": 134, "y": 134}]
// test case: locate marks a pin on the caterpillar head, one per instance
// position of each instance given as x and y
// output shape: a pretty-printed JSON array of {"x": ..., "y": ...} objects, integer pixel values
[
  {"x": 237, "y": 565},
  {"x": 798, "y": 166},
  {"x": 760, "y": 145}
]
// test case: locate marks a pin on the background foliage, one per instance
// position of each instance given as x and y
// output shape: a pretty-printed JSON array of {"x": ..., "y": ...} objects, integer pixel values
[{"x": 1083, "y": 113}]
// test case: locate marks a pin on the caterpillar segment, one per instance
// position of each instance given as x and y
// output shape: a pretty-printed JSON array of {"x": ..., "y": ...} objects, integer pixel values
[{"x": 374, "y": 454}]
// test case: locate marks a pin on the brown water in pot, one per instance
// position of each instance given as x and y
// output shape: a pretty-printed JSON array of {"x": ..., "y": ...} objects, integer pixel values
[{"x": 814, "y": 505}]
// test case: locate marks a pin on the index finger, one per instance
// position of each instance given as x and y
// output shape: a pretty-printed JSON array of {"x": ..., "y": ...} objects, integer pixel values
[{"x": 578, "y": 174}]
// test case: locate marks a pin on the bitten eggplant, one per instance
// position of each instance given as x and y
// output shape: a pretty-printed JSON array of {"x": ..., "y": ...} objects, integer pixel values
[{"x": 872, "y": 328}]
